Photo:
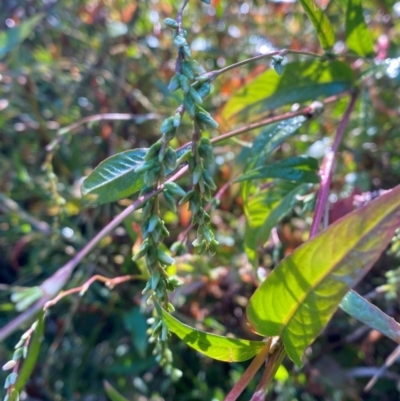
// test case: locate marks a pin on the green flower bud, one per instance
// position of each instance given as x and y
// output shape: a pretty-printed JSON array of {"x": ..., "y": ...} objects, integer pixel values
[
  {"x": 197, "y": 68},
  {"x": 187, "y": 197},
  {"x": 197, "y": 173},
  {"x": 164, "y": 258},
  {"x": 170, "y": 200},
  {"x": 174, "y": 83},
  {"x": 186, "y": 51},
  {"x": 196, "y": 97},
  {"x": 174, "y": 189},
  {"x": 170, "y": 158},
  {"x": 187, "y": 69},
  {"x": 167, "y": 125},
  {"x": 180, "y": 41},
  {"x": 185, "y": 83},
  {"x": 208, "y": 180},
  {"x": 17, "y": 354},
  {"x": 171, "y": 23},
  {"x": 207, "y": 119},
  {"x": 190, "y": 105},
  {"x": 154, "y": 279},
  {"x": 204, "y": 89},
  {"x": 153, "y": 151}
]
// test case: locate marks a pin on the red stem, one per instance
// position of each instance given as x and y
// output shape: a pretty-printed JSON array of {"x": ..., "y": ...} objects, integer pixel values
[
  {"x": 249, "y": 373},
  {"x": 327, "y": 168}
]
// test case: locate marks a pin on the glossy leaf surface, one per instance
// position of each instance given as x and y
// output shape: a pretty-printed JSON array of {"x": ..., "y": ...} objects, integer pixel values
[
  {"x": 214, "y": 346},
  {"x": 300, "y": 296},
  {"x": 361, "y": 309},
  {"x": 265, "y": 210},
  {"x": 320, "y": 22},
  {"x": 299, "y": 169},
  {"x": 115, "y": 177},
  {"x": 14, "y": 36},
  {"x": 358, "y": 37},
  {"x": 300, "y": 81}
]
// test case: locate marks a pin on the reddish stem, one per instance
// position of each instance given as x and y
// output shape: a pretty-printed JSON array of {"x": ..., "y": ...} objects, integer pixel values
[
  {"x": 249, "y": 373},
  {"x": 327, "y": 167}
]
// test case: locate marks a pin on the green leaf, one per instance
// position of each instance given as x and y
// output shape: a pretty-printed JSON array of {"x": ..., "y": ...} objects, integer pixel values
[
  {"x": 271, "y": 137},
  {"x": 358, "y": 307},
  {"x": 320, "y": 22},
  {"x": 14, "y": 36},
  {"x": 358, "y": 37},
  {"x": 115, "y": 177},
  {"x": 265, "y": 210},
  {"x": 33, "y": 354},
  {"x": 300, "y": 296},
  {"x": 286, "y": 169},
  {"x": 112, "y": 394},
  {"x": 301, "y": 81},
  {"x": 214, "y": 346}
]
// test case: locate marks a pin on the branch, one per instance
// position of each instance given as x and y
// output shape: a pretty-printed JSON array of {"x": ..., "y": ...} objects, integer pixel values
[
  {"x": 99, "y": 117},
  {"x": 53, "y": 285},
  {"x": 327, "y": 168},
  {"x": 249, "y": 373}
]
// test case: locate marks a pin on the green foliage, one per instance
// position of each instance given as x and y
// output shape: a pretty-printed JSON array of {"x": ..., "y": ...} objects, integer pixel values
[
  {"x": 14, "y": 36},
  {"x": 317, "y": 275},
  {"x": 301, "y": 81},
  {"x": 214, "y": 346},
  {"x": 358, "y": 37},
  {"x": 223, "y": 130},
  {"x": 320, "y": 22}
]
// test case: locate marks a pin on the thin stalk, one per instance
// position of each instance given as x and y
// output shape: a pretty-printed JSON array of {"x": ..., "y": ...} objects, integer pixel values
[
  {"x": 249, "y": 373},
  {"x": 327, "y": 168},
  {"x": 56, "y": 282},
  {"x": 214, "y": 74},
  {"x": 272, "y": 365}
]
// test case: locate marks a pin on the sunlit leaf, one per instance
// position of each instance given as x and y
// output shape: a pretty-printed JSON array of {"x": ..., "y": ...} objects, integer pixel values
[
  {"x": 358, "y": 37},
  {"x": 265, "y": 210},
  {"x": 361, "y": 309},
  {"x": 113, "y": 394},
  {"x": 214, "y": 346},
  {"x": 320, "y": 22},
  {"x": 14, "y": 36},
  {"x": 301, "y": 81},
  {"x": 115, "y": 177},
  {"x": 299, "y": 169},
  {"x": 300, "y": 296}
]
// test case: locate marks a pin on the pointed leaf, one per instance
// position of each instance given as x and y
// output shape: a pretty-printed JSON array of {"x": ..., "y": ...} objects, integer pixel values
[
  {"x": 112, "y": 394},
  {"x": 115, "y": 177},
  {"x": 301, "y": 81},
  {"x": 300, "y": 296},
  {"x": 14, "y": 36},
  {"x": 306, "y": 171},
  {"x": 214, "y": 346},
  {"x": 320, "y": 22},
  {"x": 265, "y": 210},
  {"x": 358, "y": 307},
  {"x": 358, "y": 37}
]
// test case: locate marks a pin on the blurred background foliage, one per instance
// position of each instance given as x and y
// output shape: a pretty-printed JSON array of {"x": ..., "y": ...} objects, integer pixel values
[{"x": 82, "y": 59}]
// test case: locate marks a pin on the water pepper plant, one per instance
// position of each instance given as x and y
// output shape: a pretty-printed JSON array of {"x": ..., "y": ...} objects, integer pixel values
[{"x": 294, "y": 302}]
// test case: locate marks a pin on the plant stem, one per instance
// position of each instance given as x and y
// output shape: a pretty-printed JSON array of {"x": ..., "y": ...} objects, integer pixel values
[
  {"x": 214, "y": 74},
  {"x": 56, "y": 282},
  {"x": 327, "y": 168},
  {"x": 273, "y": 363},
  {"x": 249, "y": 373}
]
